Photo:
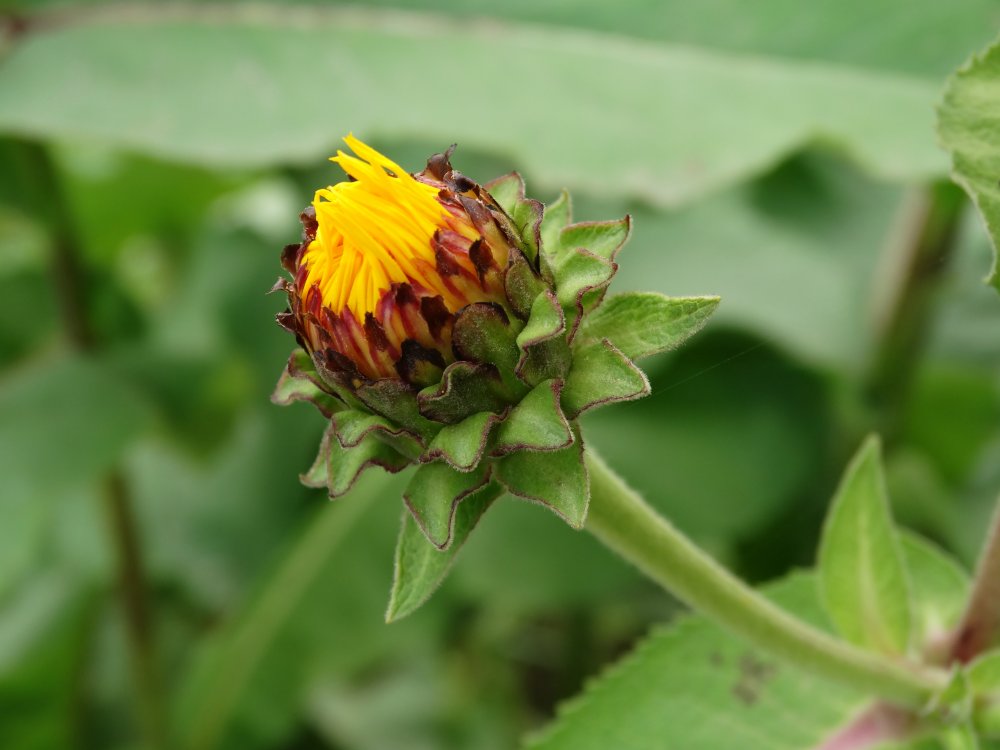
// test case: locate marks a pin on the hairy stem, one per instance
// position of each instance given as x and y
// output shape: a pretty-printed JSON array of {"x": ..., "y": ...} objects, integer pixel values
[
  {"x": 623, "y": 521},
  {"x": 69, "y": 280},
  {"x": 979, "y": 629}
]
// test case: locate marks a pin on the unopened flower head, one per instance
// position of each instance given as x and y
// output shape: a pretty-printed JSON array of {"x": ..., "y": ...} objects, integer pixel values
[
  {"x": 458, "y": 327},
  {"x": 386, "y": 262}
]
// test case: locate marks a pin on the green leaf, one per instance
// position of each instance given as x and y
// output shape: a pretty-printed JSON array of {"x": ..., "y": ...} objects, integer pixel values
[
  {"x": 45, "y": 629},
  {"x": 984, "y": 678},
  {"x": 462, "y": 445},
  {"x": 775, "y": 406},
  {"x": 420, "y": 566},
  {"x": 962, "y": 737},
  {"x": 557, "y": 480},
  {"x": 952, "y": 706},
  {"x": 98, "y": 415},
  {"x": 967, "y": 124},
  {"x": 537, "y": 423},
  {"x": 250, "y": 676},
  {"x": 657, "y": 696},
  {"x": 829, "y": 33},
  {"x": 673, "y": 146},
  {"x": 863, "y": 579},
  {"x": 692, "y": 685},
  {"x": 434, "y": 493},
  {"x": 641, "y": 324},
  {"x": 601, "y": 375},
  {"x": 751, "y": 245},
  {"x": 940, "y": 590}
]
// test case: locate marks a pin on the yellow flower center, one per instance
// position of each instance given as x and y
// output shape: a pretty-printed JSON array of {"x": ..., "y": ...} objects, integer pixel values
[{"x": 373, "y": 233}]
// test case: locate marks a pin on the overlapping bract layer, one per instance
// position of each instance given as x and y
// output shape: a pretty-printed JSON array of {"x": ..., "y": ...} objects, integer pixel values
[{"x": 485, "y": 394}]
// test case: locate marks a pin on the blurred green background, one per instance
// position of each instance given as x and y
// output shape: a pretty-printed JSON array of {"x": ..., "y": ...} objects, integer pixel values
[{"x": 155, "y": 158}]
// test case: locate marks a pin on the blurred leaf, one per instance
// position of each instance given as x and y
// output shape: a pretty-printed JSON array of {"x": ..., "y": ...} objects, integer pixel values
[
  {"x": 967, "y": 124},
  {"x": 41, "y": 637},
  {"x": 862, "y": 576},
  {"x": 962, "y": 737},
  {"x": 238, "y": 660},
  {"x": 523, "y": 560},
  {"x": 318, "y": 613},
  {"x": 117, "y": 198},
  {"x": 196, "y": 397},
  {"x": 720, "y": 401},
  {"x": 21, "y": 535},
  {"x": 793, "y": 256},
  {"x": 215, "y": 519},
  {"x": 421, "y": 704},
  {"x": 215, "y": 104},
  {"x": 940, "y": 589},
  {"x": 984, "y": 676},
  {"x": 852, "y": 32},
  {"x": 21, "y": 333},
  {"x": 953, "y": 411},
  {"x": 95, "y": 414},
  {"x": 848, "y": 31},
  {"x": 691, "y": 685}
]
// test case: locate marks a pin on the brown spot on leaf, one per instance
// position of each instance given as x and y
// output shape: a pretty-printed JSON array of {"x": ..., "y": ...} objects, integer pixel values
[{"x": 754, "y": 675}]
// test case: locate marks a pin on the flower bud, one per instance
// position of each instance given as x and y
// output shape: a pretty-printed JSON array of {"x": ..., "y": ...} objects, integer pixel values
[
  {"x": 386, "y": 262},
  {"x": 460, "y": 327}
]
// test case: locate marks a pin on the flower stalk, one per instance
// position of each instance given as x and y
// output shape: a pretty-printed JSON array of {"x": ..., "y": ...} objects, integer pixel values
[
  {"x": 624, "y": 522},
  {"x": 979, "y": 629}
]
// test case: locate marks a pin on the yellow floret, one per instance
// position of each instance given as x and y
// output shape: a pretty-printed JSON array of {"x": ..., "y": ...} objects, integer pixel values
[{"x": 373, "y": 232}]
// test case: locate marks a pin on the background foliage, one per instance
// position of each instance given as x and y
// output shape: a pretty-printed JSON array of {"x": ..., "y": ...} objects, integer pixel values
[{"x": 155, "y": 159}]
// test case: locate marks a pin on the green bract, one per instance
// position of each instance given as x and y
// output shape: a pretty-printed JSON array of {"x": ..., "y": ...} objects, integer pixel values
[{"x": 502, "y": 416}]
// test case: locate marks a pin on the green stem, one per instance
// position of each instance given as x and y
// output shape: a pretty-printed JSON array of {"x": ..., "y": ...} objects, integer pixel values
[
  {"x": 980, "y": 626},
  {"x": 623, "y": 521}
]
